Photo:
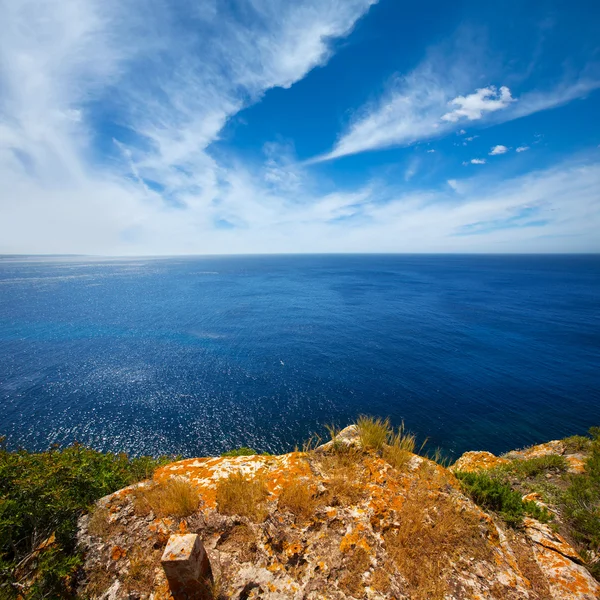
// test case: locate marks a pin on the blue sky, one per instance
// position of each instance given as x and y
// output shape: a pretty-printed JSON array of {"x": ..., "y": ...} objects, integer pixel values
[{"x": 263, "y": 126}]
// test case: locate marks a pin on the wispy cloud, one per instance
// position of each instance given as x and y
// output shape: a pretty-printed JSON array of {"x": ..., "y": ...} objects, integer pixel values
[
  {"x": 439, "y": 96},
  {"x": 161, "y": 80},
  {"x": 522, "y": 148}
]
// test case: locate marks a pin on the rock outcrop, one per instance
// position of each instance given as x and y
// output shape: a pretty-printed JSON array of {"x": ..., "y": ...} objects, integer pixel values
[{"x": 334, "y": 523}]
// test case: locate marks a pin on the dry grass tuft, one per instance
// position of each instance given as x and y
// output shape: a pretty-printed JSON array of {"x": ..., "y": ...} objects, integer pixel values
[
  {"x": 99, "y": 524},
  {"x": 374, "y": 432},
  {"x": 241, "y": 495},
  {"x": 171, "y": 498},
  {"x": 400, "y": 448},
  {"x": 432, "y": 533},
  {"x": 142, "y": 567},
  {"x": 529, "y": 566},
  {"x": 344, "y": 476},
  {"x": 98, "y": 582},
  {"x": 240, "y": 541},
  {"x": 355, "y": 566},
  {"x": 380, "y": 579},
  {"x": 299, "y": 498}
]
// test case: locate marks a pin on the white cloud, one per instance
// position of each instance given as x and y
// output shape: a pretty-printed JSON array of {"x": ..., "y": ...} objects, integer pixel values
[
  {"x": 522, "y": 148},
  {"x": 499, "y": 149},
  {"x": 478, "y": 161},
  {"x": 171, "y": 91},
  {"x": 430, "y": 151},
  {"x": 415, "y": 106},
  {"x": 164, "y": 192},
  {"x": 473, "y": 106}
]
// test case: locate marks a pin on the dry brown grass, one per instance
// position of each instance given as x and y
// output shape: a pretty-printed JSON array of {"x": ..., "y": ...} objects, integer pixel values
[
  {"x": 344, "y": 476},
  {"x": 354, "y": 567},
  {"x": 239, "y": 541},
  {"x": 400, "y": 448},
  {"x": 98, "y": 581},
  {"x": 241, "y": 495},
  {"x": 431, "y": 534},
  {"x": 380, "y": 579},
  {"x": 141, "y": 573},
  {"x": 171, "y": 498},
  {"x": 529, "y": 566},
  {"x": 99, "y": 524},
  {"x": 374, "y": 432},
  {"x": 298, "y": 497}
]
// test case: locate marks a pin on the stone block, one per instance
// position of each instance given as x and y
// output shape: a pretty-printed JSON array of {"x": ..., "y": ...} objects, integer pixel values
[{"x": 187, "y": 567}]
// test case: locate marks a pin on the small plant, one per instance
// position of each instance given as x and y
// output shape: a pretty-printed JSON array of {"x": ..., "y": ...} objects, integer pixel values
[
  {"x": 577, "y": 443},
  {"x": 581, "y": 504},
  {"x": 238, "y": 494},
  {"x": 439, "y": 457},
  {"x": 536, "y": 466},
  {"x": 400, "y": 448},
  {"x": 495, "y": 494},
  {"x": 298, "y": 498},
  {"x": 243, "y": 451},
  {"x": 313, "y": 442},
  {"x": 171, "y": 498},
  {"x": 374, "y": 432},
  {"x": 99, "y": 524}
]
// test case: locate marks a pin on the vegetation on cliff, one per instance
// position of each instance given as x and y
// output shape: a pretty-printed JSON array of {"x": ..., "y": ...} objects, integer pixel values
[
  {"x": 41, "y": 497},
  {"x": 581, "y": 504}
]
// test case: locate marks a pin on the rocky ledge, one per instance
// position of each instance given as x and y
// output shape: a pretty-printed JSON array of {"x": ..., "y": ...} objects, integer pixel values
[{"x": 335, "y": 522}]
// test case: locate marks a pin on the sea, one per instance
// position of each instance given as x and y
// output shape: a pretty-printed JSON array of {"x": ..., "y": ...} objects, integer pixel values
[{"x": 194, "y": 356}]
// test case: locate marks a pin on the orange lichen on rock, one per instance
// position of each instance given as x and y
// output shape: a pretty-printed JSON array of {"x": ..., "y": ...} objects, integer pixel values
[
  {"x": 576, "y": 463},
  {"x": 117, "y": 553},
  {"x": 370, "y": 530},
  {"x": 478, "y": 461}
]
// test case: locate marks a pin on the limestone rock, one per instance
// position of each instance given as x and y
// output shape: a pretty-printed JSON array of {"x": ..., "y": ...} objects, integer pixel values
[
  {"x": 478, "y": 461},
  {"x": 354, "y": 527}
]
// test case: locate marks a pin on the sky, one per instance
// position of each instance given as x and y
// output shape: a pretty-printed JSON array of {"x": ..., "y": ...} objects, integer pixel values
[{"x": 178, "y": 127}]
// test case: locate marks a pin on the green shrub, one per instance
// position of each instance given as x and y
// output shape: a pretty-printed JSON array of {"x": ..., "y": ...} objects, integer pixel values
[
  {"x": 577, "y": 443},
  {"x": 41, "y": 497},
  {"x": 243, "y": 451},
  {"x": 536, "y": 466},
  {"x": 581, "y": 503},
  {"x": 495, "y": 494}
]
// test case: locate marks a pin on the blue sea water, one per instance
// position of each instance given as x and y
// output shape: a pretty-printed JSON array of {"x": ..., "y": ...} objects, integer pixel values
[{"x": 195, "y": 356}]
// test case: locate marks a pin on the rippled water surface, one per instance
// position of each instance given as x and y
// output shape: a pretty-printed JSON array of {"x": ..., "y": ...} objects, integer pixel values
[{"x": 198, "y": 355}]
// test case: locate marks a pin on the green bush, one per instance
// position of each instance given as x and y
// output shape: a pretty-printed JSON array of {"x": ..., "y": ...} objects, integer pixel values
[
  {"x": 41, "y": 497},
  {"x": 495, "y": 494},
  {"x": 243, "y": 451},
  {"x": 536, "y": 466},
  {"x": 581, "y": 503},
  {"x": 577, "y": 443}
]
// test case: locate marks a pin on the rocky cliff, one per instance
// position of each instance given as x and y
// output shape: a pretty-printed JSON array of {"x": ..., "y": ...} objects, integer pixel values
[{"x": 338, "y": 521}]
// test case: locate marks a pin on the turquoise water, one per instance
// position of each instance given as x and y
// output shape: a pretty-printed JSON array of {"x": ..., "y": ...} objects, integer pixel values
[{"x": 199, "y": 355}]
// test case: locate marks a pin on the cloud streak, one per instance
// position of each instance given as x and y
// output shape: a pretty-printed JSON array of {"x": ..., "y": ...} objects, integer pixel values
[{"x": 438, "y": 97}]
